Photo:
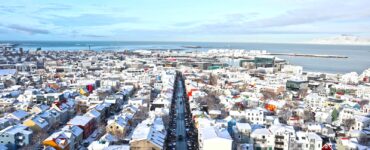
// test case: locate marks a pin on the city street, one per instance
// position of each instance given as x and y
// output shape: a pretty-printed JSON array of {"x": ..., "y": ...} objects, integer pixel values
[
  {"x": 181, "y": 133},
  {"x": 180, "y": 121}
]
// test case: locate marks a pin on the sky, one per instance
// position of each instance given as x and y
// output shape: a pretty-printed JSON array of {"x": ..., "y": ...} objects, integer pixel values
[{"x": 286, "y": 21}]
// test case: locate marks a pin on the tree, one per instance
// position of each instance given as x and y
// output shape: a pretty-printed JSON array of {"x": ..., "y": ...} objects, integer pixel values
[
  {"x": 334, "y": 114},
  {"x": 308, "y": 116},
  {"x": 213, "y": 79},
  {"x": 243, "y": 120},
  {"x": 348, "y": 123},
  {"x": 363, "y": 102},
  {"x": 36, "y": 141},
  {"x": 166, "y": 121},
  {"x": 284, "y": 115}
]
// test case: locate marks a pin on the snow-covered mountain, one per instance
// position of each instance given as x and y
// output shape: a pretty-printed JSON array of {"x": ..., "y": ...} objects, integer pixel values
[{"x": 342, "y": 40}]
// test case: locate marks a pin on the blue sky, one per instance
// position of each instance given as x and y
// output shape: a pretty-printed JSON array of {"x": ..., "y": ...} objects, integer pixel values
[{"x": 191, "y": 20}]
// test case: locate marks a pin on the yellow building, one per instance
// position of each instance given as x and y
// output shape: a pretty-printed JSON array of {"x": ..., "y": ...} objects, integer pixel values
[
  {"x": 117, "y": 126},
  {"x": 36, "y": 123}
]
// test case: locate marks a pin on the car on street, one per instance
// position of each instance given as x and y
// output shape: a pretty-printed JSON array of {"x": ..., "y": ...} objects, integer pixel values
[{"x": 180, "y": 137}]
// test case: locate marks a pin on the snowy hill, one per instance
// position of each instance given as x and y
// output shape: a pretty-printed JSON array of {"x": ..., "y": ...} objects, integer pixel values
[{"x": 342, "y": 40}]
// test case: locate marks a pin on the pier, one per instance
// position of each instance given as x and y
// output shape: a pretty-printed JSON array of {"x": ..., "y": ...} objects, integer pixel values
[{"x": 308, "y": 55}]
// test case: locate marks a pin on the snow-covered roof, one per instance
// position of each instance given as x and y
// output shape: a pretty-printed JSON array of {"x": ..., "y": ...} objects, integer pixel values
[
  {"x": 16, "y": 129},
  {"x": 243, "y": 126},
  {"x": 362, "y": 118},
  {"x": 80, "y": 120},
  {"x": 93, "y": 113},
  {"x": 212, "y": 132},
  {"x": 75, "y": 130},
  {"x": 4, "y": 72},
  {"x": 261, "y": 131},
  {"x": 313, "y": 135},
  {"x": 19, "y": 114},
  {"x": 151, "y": 130},
  {"x": 281, "y": 129},
  {"x": 41, "y": 122}
]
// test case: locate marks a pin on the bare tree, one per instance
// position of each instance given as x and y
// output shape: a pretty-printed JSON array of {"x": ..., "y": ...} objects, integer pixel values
[
  {"x": 284, "y": 115},
  {"x": 140, "y": 115},
  {"x": 363, "y": 102},
  {"x": 166, "y": 121},
  {"x": 363, "y": 140},
  {"x": 308, "y": 116},
  {"x": 348, "y": 123},
  {"x": 268, "y": 95},
  {"x": 213, "y": 79},
  {"x": 36, "y": 140}
]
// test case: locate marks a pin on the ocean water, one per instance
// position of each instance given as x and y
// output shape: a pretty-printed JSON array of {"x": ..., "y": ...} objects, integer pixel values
[{"x": 358, "y": 61}]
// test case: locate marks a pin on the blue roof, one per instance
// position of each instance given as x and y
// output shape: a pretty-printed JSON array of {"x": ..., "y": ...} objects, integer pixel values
[{"x": 7, "y": 72}]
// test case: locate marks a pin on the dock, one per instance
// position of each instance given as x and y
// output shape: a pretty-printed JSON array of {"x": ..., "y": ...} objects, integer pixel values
[{"x": 308, "y": 55}]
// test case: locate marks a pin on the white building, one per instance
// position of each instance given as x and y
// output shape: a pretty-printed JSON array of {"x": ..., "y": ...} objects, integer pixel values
[
  {"x": 255, "y": 116},
  {"x": 309, "y": 141},
  {"x": 314, "y": 100},
  {"x": 263, "y": 139},
  {"x": 16, "y": 136},
  {"x": 214, "y": 138}
]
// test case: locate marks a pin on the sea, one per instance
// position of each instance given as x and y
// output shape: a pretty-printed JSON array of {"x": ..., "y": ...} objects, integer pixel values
[{"x": 358, "y": 55}]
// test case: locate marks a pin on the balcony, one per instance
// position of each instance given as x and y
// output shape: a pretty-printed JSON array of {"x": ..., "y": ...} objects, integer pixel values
[
  {"x": 20, "y": 143},
  {"x": 19, "y": 137},
  {"x": 260, "y": 140},
  {"x": 279, "y": 136}
]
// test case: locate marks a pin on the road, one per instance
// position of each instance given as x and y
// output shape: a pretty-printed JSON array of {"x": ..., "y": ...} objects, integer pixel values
[{"x": 180, "y": 121}]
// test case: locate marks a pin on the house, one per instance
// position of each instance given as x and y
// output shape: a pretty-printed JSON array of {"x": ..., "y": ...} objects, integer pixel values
[
  {"x": 39, "y": 108},
  {"x": 137, "y": 102},
  {"x": 104, "y": 142},
  {"x": 242, "y": 132},
  {"x": 77, "y": 132},
  {"x": 314, "y": 100},
  {"x": 284, "y": 136},
  {"x": 63, "y": 111},
  {"x": 118, "y": 126},
  {"x": 309, "y": 141},
  {"x": 87, "y": 124},
  {"x": 37, "y": 124},
  {"x": 214, "y": 138},
  {"x": 361, "y": 122},
  {"x": 255, "y": 116},
  {"x": 323, "y": 117},
  {"x": 19, "y": 115},
  {"x": 314, "y": 127},
  {"x": 149, "y": 134},
  {"x": 15, "y": 137},
  {"x": 52, "y": 116},
  {"x": 5, "y": 122},
  {"x": 103, "y": 108},
  {"x": 95, "y": 114},
  {"x": 263, "y": 139},
  {"x": 60, "y": 140}
]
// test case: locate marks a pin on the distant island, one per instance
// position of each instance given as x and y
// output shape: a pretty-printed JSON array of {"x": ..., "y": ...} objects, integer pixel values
[{"x": 342, "y": 40}]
